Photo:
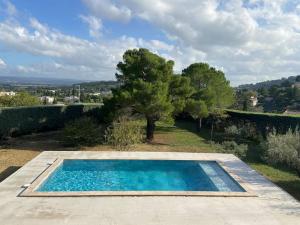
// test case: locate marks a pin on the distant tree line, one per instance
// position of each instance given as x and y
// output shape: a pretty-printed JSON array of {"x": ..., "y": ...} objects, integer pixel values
[{"x": 274, "y": 98}]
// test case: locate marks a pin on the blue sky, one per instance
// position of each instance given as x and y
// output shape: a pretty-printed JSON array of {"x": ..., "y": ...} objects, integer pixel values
[{"x": 250, "y": 40}]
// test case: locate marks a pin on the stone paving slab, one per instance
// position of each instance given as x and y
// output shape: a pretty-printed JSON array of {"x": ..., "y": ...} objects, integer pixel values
[{"x": 271, "y": 206}]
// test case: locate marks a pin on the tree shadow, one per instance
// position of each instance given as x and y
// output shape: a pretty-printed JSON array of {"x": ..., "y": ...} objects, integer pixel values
[
  {"x": 191, "y": 127},
  {"x": 292, "y": 187},
  {"x": 47, "y": 141},
  {"x": 8, "y": 171}
]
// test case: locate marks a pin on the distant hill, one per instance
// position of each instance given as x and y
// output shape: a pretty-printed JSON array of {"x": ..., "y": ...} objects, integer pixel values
[
  {"x": 96, "y": 86},
  {"x": 36, "y": 81},
  {"x": 267, "y": 84}
]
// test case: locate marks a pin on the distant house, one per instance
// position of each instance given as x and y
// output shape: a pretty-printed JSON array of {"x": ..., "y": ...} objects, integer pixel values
[
  {"x": 7, "y": 93},
  {"x": 105, "y": 93},
  {"x": 297, "y": 84},
  {"x": 47, "y": 99},
  {"x": 253, "y": 100},
  {"x": 52, "y": 91},
  {"x": 95, "y": 94},
  {"x": 292, "y": 112},
  {"x": 71, "y": 99}
]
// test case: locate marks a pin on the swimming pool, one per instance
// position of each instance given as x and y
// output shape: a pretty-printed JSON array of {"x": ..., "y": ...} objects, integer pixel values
[{"x": 121, "y": 176}]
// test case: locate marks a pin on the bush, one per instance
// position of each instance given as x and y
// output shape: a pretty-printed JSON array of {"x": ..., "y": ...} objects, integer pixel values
[
  {"x": 123, "y": 133},
  {"x": 232, "y": 147},
  {"x": 82, "y": 132},
  {"x": 232, "y": 130},
  {"x": 284, "y": 149}
]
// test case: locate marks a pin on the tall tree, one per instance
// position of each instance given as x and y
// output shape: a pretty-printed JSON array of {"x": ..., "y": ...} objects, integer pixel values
[
  {"x": 145, "y": 79},
  {"x": 212, "y": 90},
  {"x": 180, "y": 90}
]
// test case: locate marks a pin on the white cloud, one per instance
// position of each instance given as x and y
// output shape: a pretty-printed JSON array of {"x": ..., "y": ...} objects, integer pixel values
[
  {"x": 38, "y": 26},
  {"x": 108, "y": 9},
  {"x": 72, "y": 57},
  {"x": 250, "y": 40},
  {"x": 256, "y": 38},
  {"x": 95, "y": 25},
  {"x": 2, "y": 64},
  {"x": 10, "y": 8}
]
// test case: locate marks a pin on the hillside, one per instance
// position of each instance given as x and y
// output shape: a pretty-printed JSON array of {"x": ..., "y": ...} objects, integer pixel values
[
  {"x": 35, "y": 81},
  {"x": 98, "y": 85},
  {"x": 268, "y": 84}
]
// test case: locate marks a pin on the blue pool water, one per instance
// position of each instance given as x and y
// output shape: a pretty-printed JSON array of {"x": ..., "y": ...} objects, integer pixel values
[{"x": 139, "y": 175}]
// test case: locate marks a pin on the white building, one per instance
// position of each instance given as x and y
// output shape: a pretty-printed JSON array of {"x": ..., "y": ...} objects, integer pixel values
[
  {"x": 253, "y": 100},
  {"x": 71, "y": 99},
  {"x": 47, "y": 99},
  {"x": 7, "y": 93},
  {"x": 106, "y": 93}
]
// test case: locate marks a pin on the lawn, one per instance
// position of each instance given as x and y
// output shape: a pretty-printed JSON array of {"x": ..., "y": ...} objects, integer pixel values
[{"x": 182, "y": 137}]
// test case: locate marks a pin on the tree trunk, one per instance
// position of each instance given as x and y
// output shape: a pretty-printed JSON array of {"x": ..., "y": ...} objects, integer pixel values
[
  {"x": 199, "y": 124},
  {"x": 211, "y": 131},
  {"x": 150, "y": 129}
]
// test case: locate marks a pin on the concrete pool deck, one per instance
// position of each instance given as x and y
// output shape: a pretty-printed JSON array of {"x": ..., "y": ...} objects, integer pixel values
[{"x": 271, "y": 206}]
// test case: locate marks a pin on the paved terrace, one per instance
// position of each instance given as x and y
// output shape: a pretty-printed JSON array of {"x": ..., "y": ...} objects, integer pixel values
[{"x": 271, "y": 206}]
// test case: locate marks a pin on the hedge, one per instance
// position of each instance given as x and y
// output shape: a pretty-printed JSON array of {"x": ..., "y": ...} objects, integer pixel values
[
  {"x": 24, "y": 120},
  {"x": 265, "y": 122}
]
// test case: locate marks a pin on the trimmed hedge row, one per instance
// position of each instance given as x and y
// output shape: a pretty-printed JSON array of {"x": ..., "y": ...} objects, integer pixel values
[
  {"x": 24, "y": 120},
  {"x": 265, "y": 122}
]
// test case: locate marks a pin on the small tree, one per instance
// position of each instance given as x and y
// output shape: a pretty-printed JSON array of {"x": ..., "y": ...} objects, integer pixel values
[{"x": 198, "y": 110}]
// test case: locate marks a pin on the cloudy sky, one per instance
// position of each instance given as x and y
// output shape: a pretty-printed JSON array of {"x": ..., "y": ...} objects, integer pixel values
[{"x": 250, "y": 40}]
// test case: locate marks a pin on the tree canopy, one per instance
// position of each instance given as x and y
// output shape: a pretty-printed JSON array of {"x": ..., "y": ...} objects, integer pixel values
[
  {"x": 20, "y": 99},
  {"x": 212, "y": 90},
  {"x": 144, "y": 78}
]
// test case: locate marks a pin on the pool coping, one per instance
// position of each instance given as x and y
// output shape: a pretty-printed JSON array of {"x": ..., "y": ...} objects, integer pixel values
[{"x": 30, "y": 191}]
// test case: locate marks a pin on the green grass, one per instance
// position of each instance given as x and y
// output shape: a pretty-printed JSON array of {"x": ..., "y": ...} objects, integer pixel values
[{"x": 185, "y": 136}]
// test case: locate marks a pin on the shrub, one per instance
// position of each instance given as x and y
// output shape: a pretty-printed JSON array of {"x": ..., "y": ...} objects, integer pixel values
[
  {"x": 232, "y": 147},
  {"x": 284, "y": 149},
  {"x": 82, "y": 131},
  {"x": 123, "y": 133},
  {"x": 232, "y": 130}
]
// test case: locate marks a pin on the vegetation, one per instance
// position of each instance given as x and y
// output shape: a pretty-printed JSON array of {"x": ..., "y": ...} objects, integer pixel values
[
  {"x": 212, "y": 90},
  {"x": 231, "y": 147},
  {"x": 149, "y": 87},
  {"x": 284, "y": 149},
  {"x": 24, "y": 120},
  {"x": 20, "y": 99},
  {"x": 123, "y": 133},
  {"x": 84, "y": 131},
  {"x": 273, "y": 96},
  {"x": 264, "y": 122},
  {"x": 147, "y": 82}
]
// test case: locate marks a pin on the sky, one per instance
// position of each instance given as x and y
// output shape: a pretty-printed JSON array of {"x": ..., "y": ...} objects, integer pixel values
[{"x": 249, "y": 40}]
